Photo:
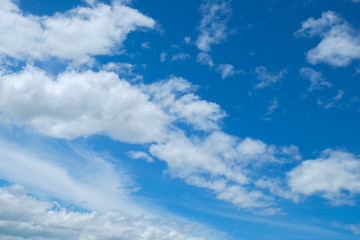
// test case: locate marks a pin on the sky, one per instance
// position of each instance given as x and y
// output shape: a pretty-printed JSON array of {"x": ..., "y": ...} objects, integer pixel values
[{"x": 179, "y": 120}]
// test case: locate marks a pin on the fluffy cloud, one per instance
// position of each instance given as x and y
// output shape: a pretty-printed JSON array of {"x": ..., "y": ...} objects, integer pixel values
[
  {"x": 334, "y": 176},
  {"x": 78, "y": 104},
  {"x": 340, "y": 43},
  {"x": 317, "y": 81},
  {"x": 267, "y": 78},
  {"x": 24, "y": 217},
  {"x": 213, "y": 29},
  {"x": 76, "y": 35}
]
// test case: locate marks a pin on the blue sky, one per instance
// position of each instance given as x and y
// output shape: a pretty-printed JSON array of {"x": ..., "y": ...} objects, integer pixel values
[{"x": 179, "y": 119}]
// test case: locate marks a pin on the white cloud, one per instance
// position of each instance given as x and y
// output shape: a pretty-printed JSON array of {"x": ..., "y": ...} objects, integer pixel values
[
  {"x": 122, "y": 69},
  {"x": 212, "y": 27},
  {"x": 81, "y": 104},
  {"x": 226, "y": 70},
  {"x": 145, "y": 45},
  {"x": 339, "y": 95},
  {"x": 56, "y": 175},
  {"x": 274, "y": 104},
  {"x": 316, "y": 79},
  {"x": 163, "y": 57},
  {"x": 340, "y": 43},
  {"x": 24, "y": 217},
  {"x": 205, "y": 59},
  {"x": 76, "y": 35},
  {"x": 140, "y": 155},
  {"x": 334, "y": 176},
  {"x": 267, "y": 78},
  {"x": 180, "y": 57},
  {"x": 193, "y": 159},
  {"x": 176, "y": 98}
]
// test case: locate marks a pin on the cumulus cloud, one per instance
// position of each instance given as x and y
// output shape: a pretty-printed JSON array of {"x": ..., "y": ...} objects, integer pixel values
[
  {"x": 317, "y": 81},
  {"x": 78, "y": 104},
  {"x": 334, "y": 176},
  {"x": 267, "y": 78},
  {"x": 340, "y": 43},
  {"x": 24, "y": 217},
  {"x": 212, "y": 27},
  {"x": 75, "y": 35}
]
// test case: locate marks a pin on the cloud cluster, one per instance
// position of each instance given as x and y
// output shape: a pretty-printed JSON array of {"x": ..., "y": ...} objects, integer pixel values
[
  {"x": 340, "y": 42},
  {"x": 24, "y": 217},
  {"x": 213, "y": 30},
  {"x": 79, "y": 104},
  {"x": 75, "y": 35},
  {"x": 233, "y": 178}
]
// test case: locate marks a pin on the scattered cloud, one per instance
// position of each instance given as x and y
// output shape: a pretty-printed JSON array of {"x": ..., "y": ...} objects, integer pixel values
[
  {"x": 226, "y": 70},
  {"x": 212, "y": 27},
  {"x": 274, "y": 104},
  {"x": 267, "y": 78},
  {"x": 317, "y": 81},
  {"x": 180, "y": 57},
  {"x": 340, "y": 43},
  {"x": 76, "y": 35},
  {"x": 145, "y": 45},
  {"x": 205, "y": 59},
  {"x": 339, "y": 95},
  {"x": 163, "y": 56}
]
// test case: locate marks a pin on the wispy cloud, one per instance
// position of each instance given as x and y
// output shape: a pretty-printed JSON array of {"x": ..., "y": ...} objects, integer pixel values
[
  {"x": 317, "y": 81},
  {"x": 267, "y": 78},
  {"x": 212, "y": 27},
  {"x": 23, "y": 216}
]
